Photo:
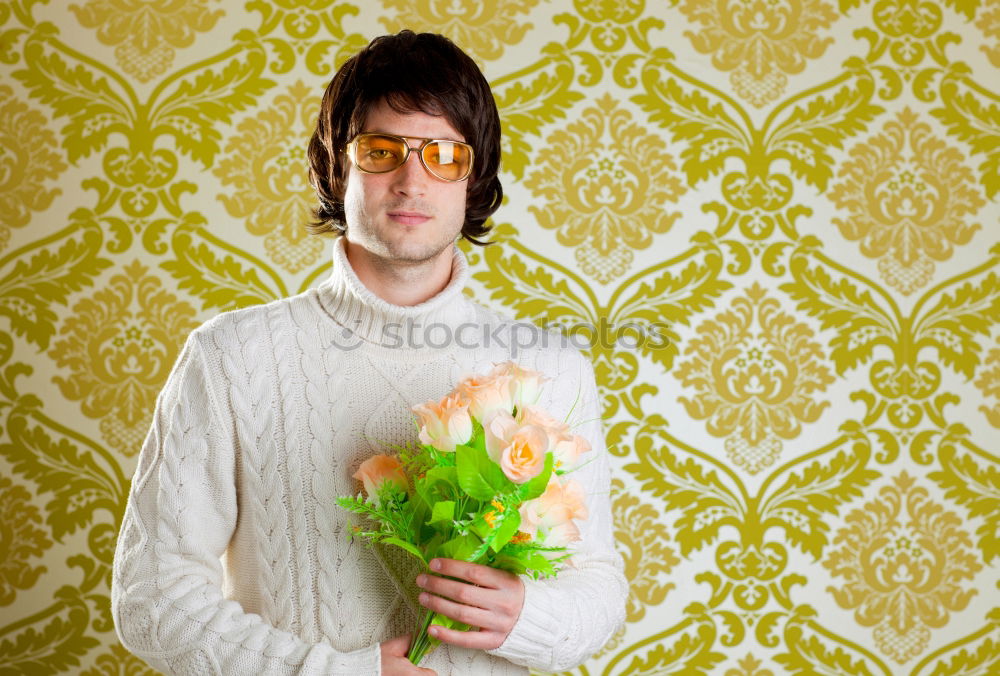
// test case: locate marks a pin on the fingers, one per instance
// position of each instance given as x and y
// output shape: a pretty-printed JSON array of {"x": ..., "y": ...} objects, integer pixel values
[
  {"x": 470, "y": 615},
  {"x": 475, "y": 595},
  {"x": 477, "y": 640},
  {"x": 394, "y": 661},
  {"x": 482, "y": 576},
  {"x": 397, "y": 646}
]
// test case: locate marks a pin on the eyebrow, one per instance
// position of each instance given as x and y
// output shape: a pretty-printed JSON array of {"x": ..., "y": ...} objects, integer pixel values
[{"x": 414, "y": 138}]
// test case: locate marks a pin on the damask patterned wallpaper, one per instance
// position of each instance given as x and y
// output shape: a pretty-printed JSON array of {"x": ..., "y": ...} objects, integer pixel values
[{"x": 799, "y": 196}]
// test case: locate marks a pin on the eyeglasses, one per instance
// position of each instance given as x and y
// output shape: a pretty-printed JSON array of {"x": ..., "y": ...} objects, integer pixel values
[{"x": 382, "y": 153}]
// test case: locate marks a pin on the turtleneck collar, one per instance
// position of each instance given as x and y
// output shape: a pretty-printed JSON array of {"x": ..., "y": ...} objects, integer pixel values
[{"x": 369, "y": 317}]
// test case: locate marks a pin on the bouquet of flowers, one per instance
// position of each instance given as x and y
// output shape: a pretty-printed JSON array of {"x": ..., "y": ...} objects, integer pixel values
[{"x": 485, "y": 485}]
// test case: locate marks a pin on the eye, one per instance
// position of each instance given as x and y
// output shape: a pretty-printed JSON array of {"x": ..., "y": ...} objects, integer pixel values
[{"x": 381, "y": 154}]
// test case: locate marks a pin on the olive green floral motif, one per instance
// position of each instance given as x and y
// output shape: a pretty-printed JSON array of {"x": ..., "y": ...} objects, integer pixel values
[
  {"x": 989, "y": 384},
  {"x": 119, "y": 346},
  {"x": 29, "y": 161},
  {"x": 265, "y": 161},
  {"x": 642, "y": 541},
  {"x": 20, "y": 540},
  {"x": 613, "y": 21},
  {"x": 909, "y": 196},
  {"x": 484, "y": 29},
  {"x": 659, "y": 158},
  {"x": 988, "y": 21},
  {"x": 906, "y": 562},
  {"x": 119, "y": 662},
  {"x": 749, "y": 666},
  {"x": 145, "y": 34},
  {"x": 756, "y": 373},
  {"x": 605, "y": 183},
  {"x": 762, "y": 42},
  {"x": 911, "y": 31}
]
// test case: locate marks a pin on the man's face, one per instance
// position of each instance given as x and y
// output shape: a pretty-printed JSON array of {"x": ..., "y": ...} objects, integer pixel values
[{"x": 405, "y": 216}]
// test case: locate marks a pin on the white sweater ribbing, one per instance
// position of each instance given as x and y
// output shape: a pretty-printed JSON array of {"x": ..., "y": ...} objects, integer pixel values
[{"x": 233, "y": 557}]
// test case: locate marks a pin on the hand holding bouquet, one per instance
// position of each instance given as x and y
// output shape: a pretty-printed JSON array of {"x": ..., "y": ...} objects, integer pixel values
[{"x": 485, "y": 485}]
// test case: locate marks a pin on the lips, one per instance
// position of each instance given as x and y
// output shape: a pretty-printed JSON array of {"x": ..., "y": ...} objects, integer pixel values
[{"x": 409, "y": 217}]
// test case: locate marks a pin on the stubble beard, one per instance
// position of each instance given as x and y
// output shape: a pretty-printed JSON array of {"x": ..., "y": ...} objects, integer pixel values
[{"x": 391, "y": 245}]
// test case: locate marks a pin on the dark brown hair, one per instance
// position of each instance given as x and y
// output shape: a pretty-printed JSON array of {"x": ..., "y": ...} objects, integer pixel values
[{"x": 411, "y": 72}]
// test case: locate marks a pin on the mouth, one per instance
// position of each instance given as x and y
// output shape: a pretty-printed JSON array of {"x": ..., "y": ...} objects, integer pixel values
[{"x": 409, "y": 217}]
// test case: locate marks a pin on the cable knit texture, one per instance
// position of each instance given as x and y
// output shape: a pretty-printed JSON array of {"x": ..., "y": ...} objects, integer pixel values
[{"x": 234, "y": 558}]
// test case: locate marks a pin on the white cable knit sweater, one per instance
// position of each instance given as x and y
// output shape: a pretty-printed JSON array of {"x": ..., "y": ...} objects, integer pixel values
[{"x": 233, "y": 557}]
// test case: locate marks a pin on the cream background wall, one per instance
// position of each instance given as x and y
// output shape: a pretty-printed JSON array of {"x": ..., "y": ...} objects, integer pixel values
[{"x": 799, "y": 196}]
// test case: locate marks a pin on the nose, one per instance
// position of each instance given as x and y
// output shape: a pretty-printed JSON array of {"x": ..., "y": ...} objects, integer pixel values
[{"x": 411, "y": 177}]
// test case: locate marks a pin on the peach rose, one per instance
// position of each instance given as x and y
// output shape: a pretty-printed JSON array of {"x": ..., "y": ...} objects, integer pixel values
[
  {"x": 527, "y": 383},
  {"x": 444, "y": 424},
  {"x": 566, "y": 447},
  {"x": 549, "y": 516},
  {"x": 378, "y": 469},
  {"x": 487, "y": 394},
  {"x": 561, "y": 535},
  {"x": 524, "y": 457},
  {"x": 498, "y": 430}
]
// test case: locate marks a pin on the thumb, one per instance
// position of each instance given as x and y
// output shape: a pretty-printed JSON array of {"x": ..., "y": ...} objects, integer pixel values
[{"x": 397, "y": 646}]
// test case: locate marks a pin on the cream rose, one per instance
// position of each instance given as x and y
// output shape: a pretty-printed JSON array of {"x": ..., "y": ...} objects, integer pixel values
[
  {"x": 566, "y": 447},
  {"x": 378, "y": 469},
  {"x": 520, "y": 450},
  {"x": 524, "y": 457},
  {"x": 444, "y": 424},
  {"x": 498, "y": 430},
  {"x": 549, "y": 517},
  {"x": 487, "y": 394},
  {"x": 527, "y": 384}
]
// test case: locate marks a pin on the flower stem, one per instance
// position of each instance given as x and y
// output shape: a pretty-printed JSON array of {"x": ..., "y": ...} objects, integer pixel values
[{"x": 421, "y": 643}]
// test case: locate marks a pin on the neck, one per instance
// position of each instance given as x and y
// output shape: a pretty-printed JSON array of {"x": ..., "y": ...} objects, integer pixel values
[
  {"x": 374, "y": 319},
  {"x": 403, "y": 284}
]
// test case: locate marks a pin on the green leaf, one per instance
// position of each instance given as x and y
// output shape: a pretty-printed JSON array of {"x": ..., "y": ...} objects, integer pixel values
[
  {"x": 532, "y": 488},
  {"x": 460, "y": 547},
  {"x": 538, "y": 566},
  {"x": 478, "y": 476},
  {"x": 436, "y": 485},
  {"x": 443, "y": 511},
  {"x": 406, "y": 546},
  {"x": 505, "y": 530}
]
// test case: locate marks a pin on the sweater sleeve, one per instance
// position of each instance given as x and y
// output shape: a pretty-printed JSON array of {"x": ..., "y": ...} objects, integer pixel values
[
  {"x": 568, "y": 618},
  {"x": 167, "y": 595}
]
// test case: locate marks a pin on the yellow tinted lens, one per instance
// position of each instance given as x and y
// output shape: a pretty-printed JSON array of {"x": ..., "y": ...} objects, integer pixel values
[
  {"x": 379, "y": 154},
  {"x": 448, "y": 160}
]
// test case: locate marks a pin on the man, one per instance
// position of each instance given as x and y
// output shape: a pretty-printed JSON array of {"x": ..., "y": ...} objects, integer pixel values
[{"x": 233, "y": 557}]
